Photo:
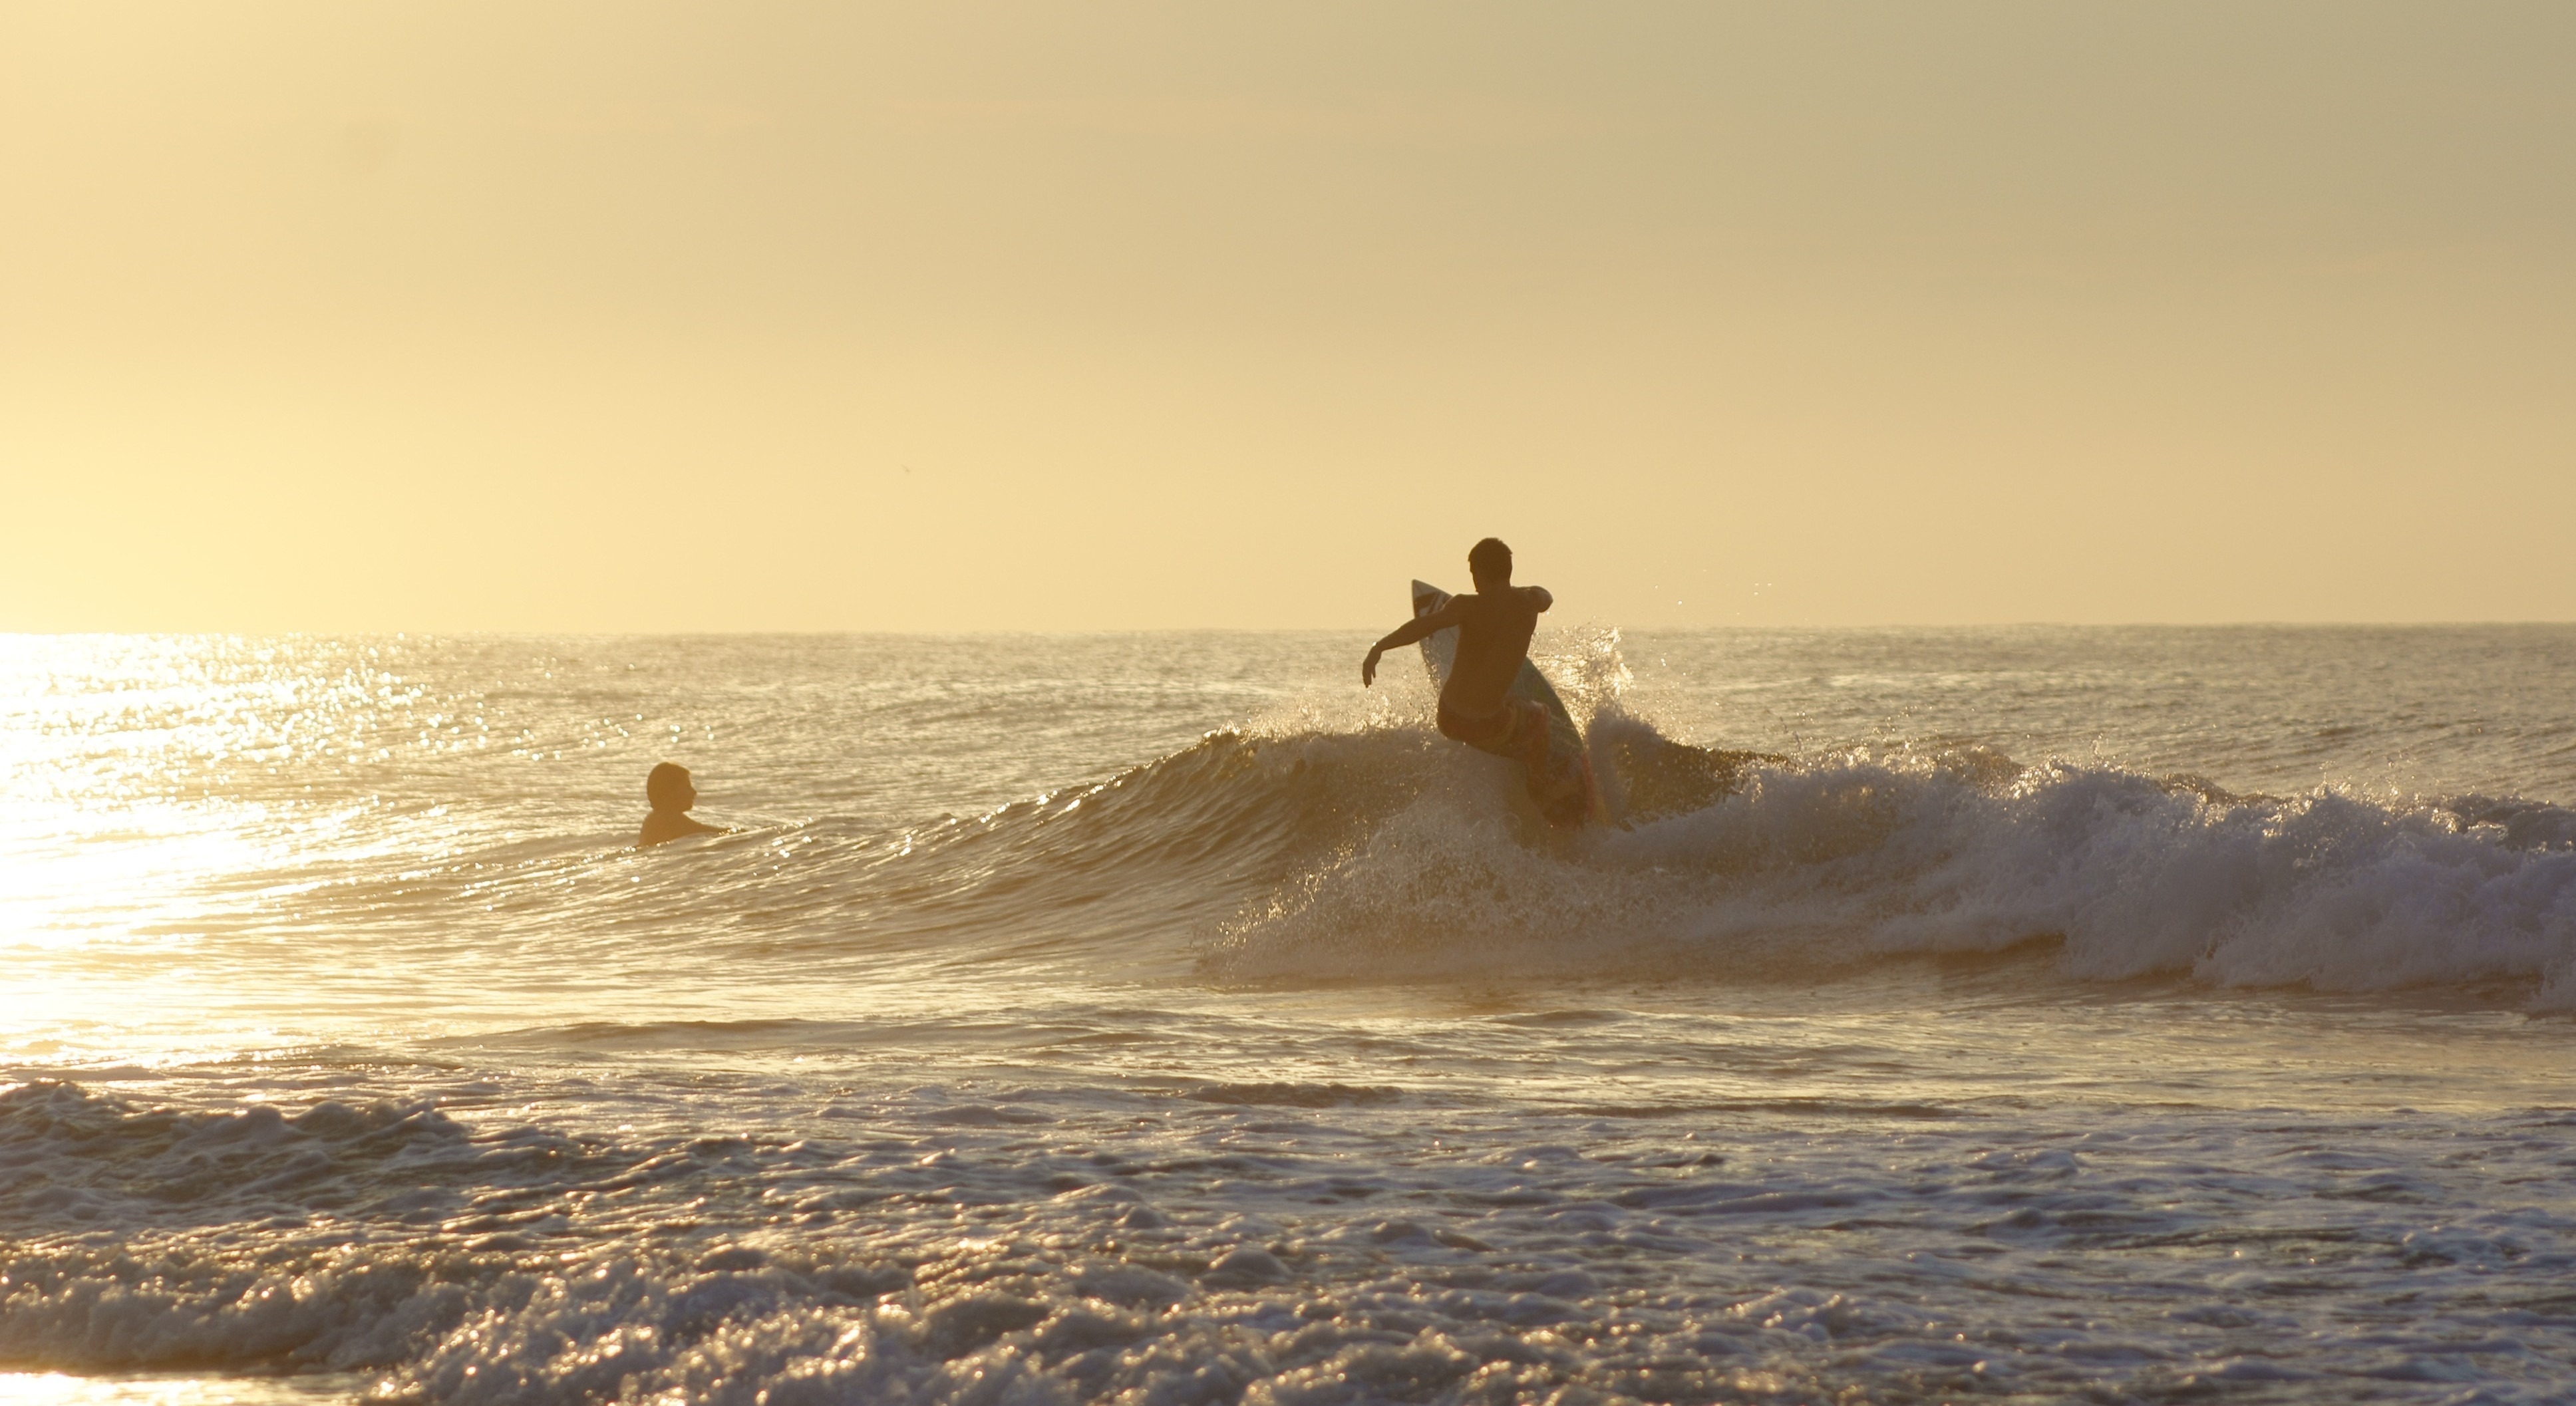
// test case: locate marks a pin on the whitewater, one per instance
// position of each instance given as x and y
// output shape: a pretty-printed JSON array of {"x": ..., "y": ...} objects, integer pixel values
[{"x": 2033, "y": 1014}]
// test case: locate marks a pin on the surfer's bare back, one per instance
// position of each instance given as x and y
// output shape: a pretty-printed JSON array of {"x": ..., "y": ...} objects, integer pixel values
[{"x": 1494, "y": 627}]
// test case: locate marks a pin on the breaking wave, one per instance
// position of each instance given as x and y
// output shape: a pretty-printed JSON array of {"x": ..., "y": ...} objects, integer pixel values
[
  {"x": 1388, "y": 854},
  {"x": 1744, "y": 866},
  {"x": 1385, "y": 855}
]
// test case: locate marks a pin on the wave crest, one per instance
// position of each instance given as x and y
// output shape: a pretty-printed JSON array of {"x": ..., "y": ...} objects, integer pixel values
[{"x": 1750, "y": 866}]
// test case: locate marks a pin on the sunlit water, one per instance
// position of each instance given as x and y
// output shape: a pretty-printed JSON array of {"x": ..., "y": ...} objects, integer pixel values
[{"x": 2052, "y": 1015}]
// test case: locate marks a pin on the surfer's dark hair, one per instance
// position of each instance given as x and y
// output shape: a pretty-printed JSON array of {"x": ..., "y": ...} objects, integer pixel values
[
  {"x": 1490, "y": 558},
  {"x": 664, "y": 785}
]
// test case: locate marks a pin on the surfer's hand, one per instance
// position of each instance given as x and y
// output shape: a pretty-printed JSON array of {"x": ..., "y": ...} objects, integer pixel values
[{"x": 1368, "y": 669}]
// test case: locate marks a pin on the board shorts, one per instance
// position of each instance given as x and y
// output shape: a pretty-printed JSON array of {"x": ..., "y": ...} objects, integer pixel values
[
  {"x": 1560, "y": 777},
  {"x": 1519, "y": 731}
]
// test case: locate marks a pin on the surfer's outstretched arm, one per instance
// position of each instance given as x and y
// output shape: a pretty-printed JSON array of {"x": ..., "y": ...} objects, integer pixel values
[{"x": 1413, "y": 631}]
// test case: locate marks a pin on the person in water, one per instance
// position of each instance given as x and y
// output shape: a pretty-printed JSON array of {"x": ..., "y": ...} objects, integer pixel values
[
  {"x": 669, "y": 790},
  {"x": 1476, "y": 707}
]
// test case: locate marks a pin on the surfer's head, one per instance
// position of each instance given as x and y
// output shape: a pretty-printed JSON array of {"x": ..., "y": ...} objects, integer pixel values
[
  {"x": 1490, "y": 562},
  {"x": 668, "y": 787}
]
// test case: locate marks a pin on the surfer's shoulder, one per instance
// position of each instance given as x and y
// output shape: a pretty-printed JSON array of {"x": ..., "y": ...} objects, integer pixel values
[
  {"x": 1538, "y": 598},
  {"x": 663, "y": 826}
]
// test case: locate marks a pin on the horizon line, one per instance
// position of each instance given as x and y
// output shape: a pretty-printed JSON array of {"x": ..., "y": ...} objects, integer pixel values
[{"x": 1040, "y": 631}]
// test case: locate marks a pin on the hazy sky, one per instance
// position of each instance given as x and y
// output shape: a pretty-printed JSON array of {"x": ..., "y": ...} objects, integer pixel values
[{"x": 645, "y": 316}]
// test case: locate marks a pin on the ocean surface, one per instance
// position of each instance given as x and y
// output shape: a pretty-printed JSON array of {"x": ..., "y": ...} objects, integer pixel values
[{"x": 2028, "y": 1015}]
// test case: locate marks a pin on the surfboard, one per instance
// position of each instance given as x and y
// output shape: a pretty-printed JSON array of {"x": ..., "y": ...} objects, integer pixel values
[{"x": 1563, "y": 785}]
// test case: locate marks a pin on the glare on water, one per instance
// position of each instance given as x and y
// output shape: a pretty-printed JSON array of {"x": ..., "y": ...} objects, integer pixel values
[{"x": 2145, "y": 970}]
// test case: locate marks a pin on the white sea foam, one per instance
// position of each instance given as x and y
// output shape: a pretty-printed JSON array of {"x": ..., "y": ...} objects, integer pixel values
[
  {"x": 1288, "y": 1243},
  {"x": 1847, "y": 861}
]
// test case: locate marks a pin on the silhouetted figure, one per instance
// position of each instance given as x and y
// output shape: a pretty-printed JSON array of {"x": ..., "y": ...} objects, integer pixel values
[
  {"x": 669, "y": 790},
  {"x": 1494, "y": 628}
]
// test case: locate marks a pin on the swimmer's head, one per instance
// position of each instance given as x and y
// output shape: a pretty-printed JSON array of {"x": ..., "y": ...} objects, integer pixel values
[
  {"x": 668, "y": 787},
  {"x": 1490, "y": 562}
]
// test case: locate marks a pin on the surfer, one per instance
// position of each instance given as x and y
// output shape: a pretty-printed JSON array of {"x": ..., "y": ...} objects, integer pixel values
[
  {"x": 671, "y": 793},
  {"x": 1494, "y": 627}
]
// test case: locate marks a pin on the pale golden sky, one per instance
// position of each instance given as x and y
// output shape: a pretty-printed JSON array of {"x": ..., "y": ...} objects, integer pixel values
[{"x": 646, "y": 316}]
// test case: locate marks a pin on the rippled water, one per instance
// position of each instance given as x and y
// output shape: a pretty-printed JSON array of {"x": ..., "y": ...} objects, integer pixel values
[{"x": 2017, "y": 1014}]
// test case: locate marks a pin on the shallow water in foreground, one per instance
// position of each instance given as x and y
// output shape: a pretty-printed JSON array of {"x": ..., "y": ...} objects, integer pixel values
[{"x": 2062, "y": 1015}]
